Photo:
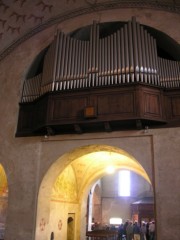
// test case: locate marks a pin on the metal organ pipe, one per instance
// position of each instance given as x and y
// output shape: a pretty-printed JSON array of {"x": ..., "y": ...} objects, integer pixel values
[
  {"x": 126, "y": 56},
  {"x": 112, "y": 60},
  {"x": 94, "y": 47},
  {"x": 167, "y": 73},
  {"x": 175, "y": 73},
  {"x": 100, "y": 64},
  {"x": 66, "y": 62},
  {"x": 122, "y": 56},
  {"x": 140, "y": 67},
  {"x": 115, "y": 52},
  {"x": 119, "y": 56},
  {"x": 62, "y": 62},
  {"x": 103, "y": 61},
  {"x": 154, "y": 57},
  {"x": 72, "y": 77},
  {"x": 48, "y": 69},
  {"x": 162, "y": 72},
  {"x": 77, "y": 76},
  {"x": 147, "y": 56},
  {"x": 97, "y": 48},
  {"x": 69, "y": 65},
  {"x": 135, "y": 48},
  {"x": 75, "y": 64},
  {"x": 55, "y": 62},
  {"x": 87, "y": 62},
  {"x": 150, "y": 59},
  {"x": 131, "y": 55},
  {"x": 108, "y": 59},
  {"x": 82, "y": 76},
  {"x": 126, "y": 53},
  {"x": 144, "y": 54},
  {"x": 172, "y": 71},
  {"x": 59, "y": 60}
]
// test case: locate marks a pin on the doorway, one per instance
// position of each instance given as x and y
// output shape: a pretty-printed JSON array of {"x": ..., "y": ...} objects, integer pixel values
[{"x": 70, "y": 226}]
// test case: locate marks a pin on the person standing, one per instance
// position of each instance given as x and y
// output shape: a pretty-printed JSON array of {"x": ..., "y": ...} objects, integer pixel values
[
  {"x": 147, "y": 231},
  {"x": 136, "y": 231},
  {"x": 152, "y": 231},
  {"x": 143, "y": 231},
  {"x": 120, "y": 231},
  {"x": 125, "y": 226},
  {"x": 129, "y": 231}
]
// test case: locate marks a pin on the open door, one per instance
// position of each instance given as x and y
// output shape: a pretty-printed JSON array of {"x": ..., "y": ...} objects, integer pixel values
[{"x": 70, "y": 227}]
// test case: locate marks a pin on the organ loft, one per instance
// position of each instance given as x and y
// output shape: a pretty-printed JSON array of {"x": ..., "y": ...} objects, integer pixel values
[{"x": 102, "y": 83}]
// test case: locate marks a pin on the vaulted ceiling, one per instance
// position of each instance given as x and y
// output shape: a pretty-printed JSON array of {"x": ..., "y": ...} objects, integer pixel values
[{"x": 21, "y": 19}]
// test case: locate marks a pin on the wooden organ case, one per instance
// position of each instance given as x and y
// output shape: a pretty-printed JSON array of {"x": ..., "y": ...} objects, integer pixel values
[{"x": 101, "y": 84}]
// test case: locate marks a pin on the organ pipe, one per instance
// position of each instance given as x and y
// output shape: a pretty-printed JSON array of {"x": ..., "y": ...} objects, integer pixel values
[{"x": 124, "y": 57}]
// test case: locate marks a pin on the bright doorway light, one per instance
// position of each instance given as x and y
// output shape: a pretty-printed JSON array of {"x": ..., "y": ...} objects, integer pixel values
[
  {"x": 124, "y": 183},
  {"x": 115, "y": 221}
]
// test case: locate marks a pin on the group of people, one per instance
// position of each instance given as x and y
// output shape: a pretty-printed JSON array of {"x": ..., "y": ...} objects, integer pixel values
[{"x": 135, "y": 231}]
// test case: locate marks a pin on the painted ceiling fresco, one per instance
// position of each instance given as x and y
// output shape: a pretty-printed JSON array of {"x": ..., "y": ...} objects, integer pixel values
[{"x": 83, "y": 172}]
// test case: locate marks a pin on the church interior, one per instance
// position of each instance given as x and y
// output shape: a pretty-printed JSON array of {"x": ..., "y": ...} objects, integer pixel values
[{"x": 90, "y": 116}]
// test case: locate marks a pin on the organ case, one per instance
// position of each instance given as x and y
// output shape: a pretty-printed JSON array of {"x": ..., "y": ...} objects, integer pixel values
[{"x": 120, "y": 78}]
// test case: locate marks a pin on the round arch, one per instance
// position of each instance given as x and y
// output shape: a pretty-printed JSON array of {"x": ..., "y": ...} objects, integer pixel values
[{"x": 68, "y": 181}]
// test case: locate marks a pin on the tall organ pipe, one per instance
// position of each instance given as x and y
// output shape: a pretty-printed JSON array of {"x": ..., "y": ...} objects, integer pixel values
[
  {"x": 112, "y": 59},
  {"x": 122, "y": 55},
  {"x": 128, "y": 55},
  {"x": 140, "y": 68},
  {"x": 103, "y": 61},
  {"x": 135, "y": 47},
  {"x": 55, "y": 61},
  {"x": 115, "y": 55},
  {"x": 119, "y": 65},
  {"x": 144, "y": 60},
  {"x": 126, "y": 52},
  {"x": 109, "y": 59},
  {"x": 131, "y": 57}
]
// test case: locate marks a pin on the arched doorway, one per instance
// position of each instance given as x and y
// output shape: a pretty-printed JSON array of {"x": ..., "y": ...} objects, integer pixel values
[
  {"x": 65, "y": 188},
  {"x": 70, "y": 227},
  {"x": 3, "y": 201}
]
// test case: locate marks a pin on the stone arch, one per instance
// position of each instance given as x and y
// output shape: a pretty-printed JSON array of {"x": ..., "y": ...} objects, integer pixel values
[{"x": 81, "y": 167}]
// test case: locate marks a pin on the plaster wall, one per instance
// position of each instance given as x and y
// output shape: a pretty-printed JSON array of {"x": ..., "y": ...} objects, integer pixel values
[
  {"x": 26, "y": 160},
  {"x": 58, "y": 218},
  {"x": 139, "y": 187},
  {"x": 115, "y": 206}
]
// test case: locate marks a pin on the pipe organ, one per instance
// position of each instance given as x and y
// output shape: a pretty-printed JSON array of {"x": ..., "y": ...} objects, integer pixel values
[{"x": 126, "y": 58}]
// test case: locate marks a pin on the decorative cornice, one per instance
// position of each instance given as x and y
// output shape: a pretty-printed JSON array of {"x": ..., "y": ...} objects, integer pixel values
[{"x": 93, "y": 7}]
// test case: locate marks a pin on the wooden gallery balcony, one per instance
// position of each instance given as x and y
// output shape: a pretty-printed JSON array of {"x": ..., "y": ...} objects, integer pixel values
[{"x": 100, "y": 109}]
